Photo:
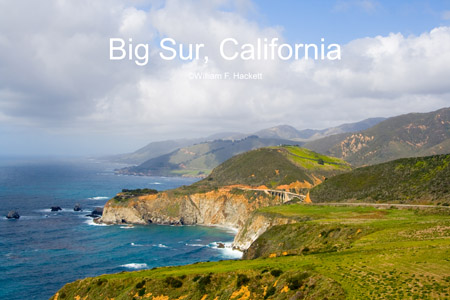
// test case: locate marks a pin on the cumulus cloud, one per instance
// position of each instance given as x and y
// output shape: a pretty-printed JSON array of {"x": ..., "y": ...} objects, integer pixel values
[{"x": 56, "y": 74}]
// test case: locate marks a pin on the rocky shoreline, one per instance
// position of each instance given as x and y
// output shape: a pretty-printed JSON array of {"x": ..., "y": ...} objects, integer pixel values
[{"x": 220, "y": 208}]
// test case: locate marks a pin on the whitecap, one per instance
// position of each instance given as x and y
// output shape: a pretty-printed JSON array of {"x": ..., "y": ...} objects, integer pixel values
[
  {"x": 91, "y": 222},
  {"x": 196, "y": 245},
  {"x": 227, "y": 251},
  {"x": 161, "y": 246},
  {"x": 98, "y": 198},
  {"x": 135, "y": 266},
  {"x": 127, "y": 227},
  {"x": 156, "y": 183},
  {"x": 136, "y": 245}
]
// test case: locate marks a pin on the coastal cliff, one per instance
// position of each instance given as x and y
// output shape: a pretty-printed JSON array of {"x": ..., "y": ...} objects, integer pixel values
[
  {"x": 229, "y": 195},
  {"x": 228, "y": 207}
]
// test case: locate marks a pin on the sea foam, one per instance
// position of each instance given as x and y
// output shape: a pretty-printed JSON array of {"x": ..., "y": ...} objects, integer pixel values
[
  {"x": 135, "y": 266},
  {"x": 98, "y": 198}
]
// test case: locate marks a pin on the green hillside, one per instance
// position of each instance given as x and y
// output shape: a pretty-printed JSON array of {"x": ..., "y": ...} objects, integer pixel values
[
  {"x": 200, "y": 159},
  {"x": 272, "y": 167},
  {"x": 333, "y": 253},
  {"x": 410, "y": 135},
  {"x": 409, "y": 180}
]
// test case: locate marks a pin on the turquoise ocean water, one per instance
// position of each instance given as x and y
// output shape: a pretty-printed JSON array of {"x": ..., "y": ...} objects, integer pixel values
[{"x": 43, "y": 250}]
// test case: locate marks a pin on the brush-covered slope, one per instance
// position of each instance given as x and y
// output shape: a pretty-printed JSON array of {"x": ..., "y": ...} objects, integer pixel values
[
  {"x": 329, "y": 253},
  {"x": 409, "y": 180},
  {"x": 200, "y": 159},
  {"x": 274, "y": 167},
  {"x": 416, "y": 134}
]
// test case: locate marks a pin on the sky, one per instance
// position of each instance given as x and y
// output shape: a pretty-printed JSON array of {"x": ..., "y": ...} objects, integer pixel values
[{"x": 60, "y": 94}]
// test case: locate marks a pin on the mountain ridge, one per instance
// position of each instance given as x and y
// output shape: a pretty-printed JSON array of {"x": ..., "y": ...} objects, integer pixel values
[{"x": 408, "y": 135}]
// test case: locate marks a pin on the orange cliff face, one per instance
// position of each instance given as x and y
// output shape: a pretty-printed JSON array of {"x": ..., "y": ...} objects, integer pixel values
[{"x": 218, "y": 207}]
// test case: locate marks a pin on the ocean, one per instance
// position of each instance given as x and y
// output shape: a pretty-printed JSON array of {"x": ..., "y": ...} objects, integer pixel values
[{"x": 43, "y": 250}]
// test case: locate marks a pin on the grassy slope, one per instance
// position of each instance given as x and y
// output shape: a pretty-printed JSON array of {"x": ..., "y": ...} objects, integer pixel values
[
  {"x": 398, "y": 254},
  {"x": 271, "y": 167},
  {"x": 409, "y": 180},
  {"x": 201, "y": 158}
]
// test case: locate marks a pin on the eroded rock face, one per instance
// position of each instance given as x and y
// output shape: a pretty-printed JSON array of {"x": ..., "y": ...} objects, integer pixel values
[
  {"x": 220, "y": 208},
  {"x": 212, "y": 208},
  {"x": 255, "y": 226}
]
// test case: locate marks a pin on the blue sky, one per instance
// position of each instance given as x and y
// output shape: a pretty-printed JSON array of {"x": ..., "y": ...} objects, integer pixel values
[
  {"x": 345, "y": 20},
  {"x": 60, "y": 93}
]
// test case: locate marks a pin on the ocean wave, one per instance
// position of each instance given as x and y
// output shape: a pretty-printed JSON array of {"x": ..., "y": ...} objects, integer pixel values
[
  {"x": 196, "y": 245},
  {"x": 127, "y": 227},
  {"x": 155, "y": 182},
  {"x": 135, "y": 266},
  {"x": 161, "y": 246},
  {"x": 91, "y": 222},
  {"x": 98, "y": 198},
  {"x": 136, "y": 245},
  {"x": 49, "y": 210},
  {"x": 227, "y": 251}
]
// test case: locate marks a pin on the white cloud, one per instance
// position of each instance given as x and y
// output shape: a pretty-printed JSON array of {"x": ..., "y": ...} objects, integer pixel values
[{"x": 56, "y": 73}]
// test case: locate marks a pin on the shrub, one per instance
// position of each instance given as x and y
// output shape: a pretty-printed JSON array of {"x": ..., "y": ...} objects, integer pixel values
[
  {"x": 242, "y": 279},
  {"x": 139, "y": 285},
  {"x": 270, "y": 291},
  {"x": 296, "y": 282},
  {"x": 204, "y": 281},
  {"x": 175, "y": 283},
  {"x": 276, "y": 272}
]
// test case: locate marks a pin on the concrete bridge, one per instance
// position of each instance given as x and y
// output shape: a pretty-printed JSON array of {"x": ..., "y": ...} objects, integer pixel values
[{"x": 283, "y": 195}]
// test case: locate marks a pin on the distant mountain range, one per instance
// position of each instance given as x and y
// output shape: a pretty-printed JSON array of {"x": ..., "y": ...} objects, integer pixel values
[
  {"x": 410, "y": 135},
  {"x": 282, "y": 132},
  {"x": 290, "y": 133},
  {"x": 367, "y": 142}
]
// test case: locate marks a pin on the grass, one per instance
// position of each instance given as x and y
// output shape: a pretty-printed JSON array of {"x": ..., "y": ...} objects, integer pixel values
[
  {"x": 311, "y": 160},
  {"x": 409, "y": 180},
  {"x": 378, "y": 254}
]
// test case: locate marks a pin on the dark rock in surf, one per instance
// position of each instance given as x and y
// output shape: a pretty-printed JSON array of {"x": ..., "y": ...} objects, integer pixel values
[
  {"x": 97, "y": 212},
  {"x": 13, "y": 215},
  {"x": 220, "y": 245},
  {"x": 77, "y": 207},
  {"x": 56, "y": 208}
]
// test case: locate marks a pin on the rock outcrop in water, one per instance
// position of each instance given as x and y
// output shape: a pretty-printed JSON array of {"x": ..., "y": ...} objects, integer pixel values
[
  {"x": 96, "y": 213},
  {"x": 55, "y": 208},
  {"x": 77, "y": 207},
  {"x": 13, "y": 215}
]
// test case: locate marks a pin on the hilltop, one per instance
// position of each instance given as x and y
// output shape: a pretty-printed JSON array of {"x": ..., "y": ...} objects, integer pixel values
[
  {"x": 410, "y": 135},
  {"x": 409, "y": 180},
  {"x": 273, "y": 167},
  {"x": 199, "y": 159}
]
